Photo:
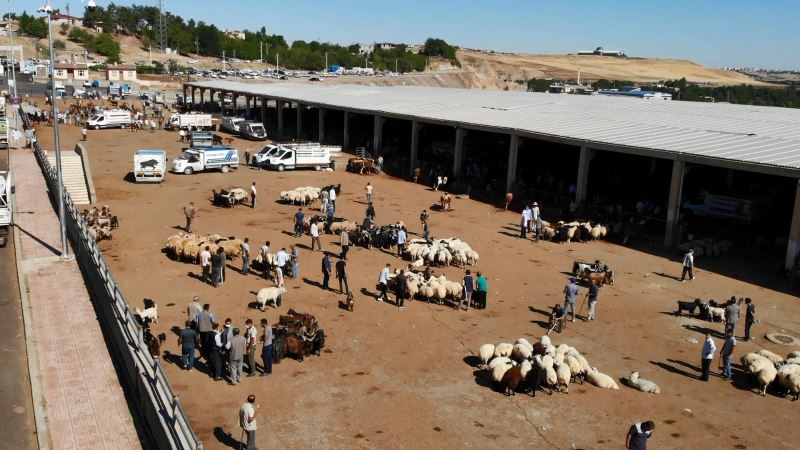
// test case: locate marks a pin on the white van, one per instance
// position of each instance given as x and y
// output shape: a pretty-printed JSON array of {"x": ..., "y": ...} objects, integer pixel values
[
  {"x": 706, "y": 204},
  {"x": 110, "y": 119},
  {"x": 252, "y": 130}
]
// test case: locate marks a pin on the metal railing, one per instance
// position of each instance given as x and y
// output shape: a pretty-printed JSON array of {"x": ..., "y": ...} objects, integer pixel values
[{"x": 165, "y": 421}]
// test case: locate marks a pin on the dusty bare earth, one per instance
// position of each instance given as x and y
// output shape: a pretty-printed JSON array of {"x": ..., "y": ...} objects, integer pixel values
[
  {"x": 525, "y": 66},
  {"x": 407, "y": 379}
]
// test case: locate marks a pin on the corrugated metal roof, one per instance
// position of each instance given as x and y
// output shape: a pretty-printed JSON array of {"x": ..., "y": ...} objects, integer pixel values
[{"x": 759, "y": 135}]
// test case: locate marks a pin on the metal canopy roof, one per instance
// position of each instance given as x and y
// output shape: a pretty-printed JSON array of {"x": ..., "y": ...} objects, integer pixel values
[{"x": 764, "y": 139}]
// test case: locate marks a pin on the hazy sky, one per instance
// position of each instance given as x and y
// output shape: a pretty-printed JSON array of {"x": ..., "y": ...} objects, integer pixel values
[{"x": 712, "y": 32}]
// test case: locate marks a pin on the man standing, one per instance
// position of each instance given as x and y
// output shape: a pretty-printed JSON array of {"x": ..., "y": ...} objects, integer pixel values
[
  {"x": 193, "y": 311},
  {"x": 332, "y": 198},
  {"x": 329, "y": 211},
  {"x": 216, "y": 267},
  {"x": 295, "y": 260},
  {"x": 528, "y": 215},
  {"x": 469, "y": 286},
  {"x": 688, "y": 265},
  {"x": 84, "y": 132},
  {"x": 265, "y": 258},
  {"x": 638, "y": 435},
  {"x": 245, "y": 246},
  {"x": 536, "y": 218},
  {"x": 423, "y": 217},
  {"x": 247, "y": 420},
  {"x": 570, "y": 294},
  {"x": 205, "y": 263},
  {"x": 707, "y": 354},
  {"x": 190, "y": 212},
  {"x": 400, "y": 289},
  {"x": 216, "y": 354},
  {"x": 188, "y": 340},
  {"x": 298, "y": 222},
  {"x": 280, "y": 259},
  {"x": 205, "y": 326},
  {"x": 251, "y": 336},
  {"x": 237, "y": 350},
  {"x": 266, "y": 349},
  {"x": 426, "y": 231},
  {"x": 523, "y": 225},
  {"x": 750, "y": 318},
  {"x": 731, "y": 316},
  {"x": 371, "y": 211},
  {"x": 253, "y": 195},
  {"x": 368, "y": 190},
  {"x": 383, "y": 280},
  {"x": 314, "y": 229},
  {"x": 594, "y": 290},
  {"x": 482, "y": 290},
  {"x": 326, "y": 272},
  {"x": 341, "y": 274},
  {"x": 345, "y": 243},
  {"x": 727, "y": 354},
  {"x": 380, "y": 163},
  {"x": 401, "y": 241}
]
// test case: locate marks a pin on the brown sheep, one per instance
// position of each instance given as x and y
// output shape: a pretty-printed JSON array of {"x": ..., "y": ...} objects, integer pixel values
[{"x": 511, "y": 380}]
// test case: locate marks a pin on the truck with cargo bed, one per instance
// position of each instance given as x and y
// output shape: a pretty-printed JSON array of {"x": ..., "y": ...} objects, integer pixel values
[
  {"x": 295, "y": 156},
  {"x": 149, "y": 166},
  {"x": 190, "y": 121},
  {"x": 209, "y": 158}
]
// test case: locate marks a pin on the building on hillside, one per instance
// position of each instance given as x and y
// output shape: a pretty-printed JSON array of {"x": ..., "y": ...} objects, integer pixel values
[
  {"x": 415, "y": 48},
  {"x": 121, "y": 72},
  {"x": 71, "y": 71},
  {"x": 636, "y": 93},
  {"x": 41, "y": 71},
  {"x": 9, "y": 28},
  {"x": 599, "y": 51},
  {"x": 58, "y": 19},
  {"x": 235, "y": 34},
  {"x": 366, "y": 49}
]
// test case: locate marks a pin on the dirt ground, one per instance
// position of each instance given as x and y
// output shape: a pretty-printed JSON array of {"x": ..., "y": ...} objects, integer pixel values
[{"x": 392, "y": 378}]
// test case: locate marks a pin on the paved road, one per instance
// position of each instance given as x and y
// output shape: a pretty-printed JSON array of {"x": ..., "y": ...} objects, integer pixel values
[{"x": 16, "y": 413}]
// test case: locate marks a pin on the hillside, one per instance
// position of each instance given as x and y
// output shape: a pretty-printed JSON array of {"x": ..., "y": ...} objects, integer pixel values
[{"x": 493, "y": 66}]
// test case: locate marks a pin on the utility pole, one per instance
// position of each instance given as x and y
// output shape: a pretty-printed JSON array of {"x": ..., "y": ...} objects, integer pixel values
[
  {"x": 395, "y": 66},
  {"x": 326, "y": 62},
  {"x": 151, "y": 55},
  {"x": 223, "y": 60},
  {"x": 261, "y": 51},
  {"x": 196, "y": 46},
  {"x": 277, "y": 61},
  {"x": 161, "y": 22}
]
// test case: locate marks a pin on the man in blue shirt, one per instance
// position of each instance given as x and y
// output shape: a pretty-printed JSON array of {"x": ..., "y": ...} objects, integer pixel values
[
  {"x": 298, "y": 222},
  {"x": 707, "y": 356},
  {"x": 401, "y": 241},
  {"x": 326, "y": 271},
  {"x": 383, "y": 280},
  {"x": 469, "y": 286}
]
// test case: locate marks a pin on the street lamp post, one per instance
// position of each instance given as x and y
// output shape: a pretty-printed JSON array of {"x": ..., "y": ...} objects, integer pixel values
[{"x": 47, "y": 9}]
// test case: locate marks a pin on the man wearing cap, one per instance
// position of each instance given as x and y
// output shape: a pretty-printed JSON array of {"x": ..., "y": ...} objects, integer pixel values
[
  {"x": 570, "y": 294},
  {"x": 536, "y": 220}
]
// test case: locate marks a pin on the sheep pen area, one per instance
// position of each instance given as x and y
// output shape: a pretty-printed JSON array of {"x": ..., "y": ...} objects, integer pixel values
[{"x": 412, "y": 378}]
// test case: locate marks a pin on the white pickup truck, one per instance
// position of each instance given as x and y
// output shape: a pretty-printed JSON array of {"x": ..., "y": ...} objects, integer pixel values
[
  {"x": 200, "y": 159},
  {"x": 294, "y": 156},
  {"x": 187, "y": 121}
]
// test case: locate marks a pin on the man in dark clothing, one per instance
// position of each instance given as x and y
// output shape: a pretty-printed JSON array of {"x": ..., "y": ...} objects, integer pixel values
[
  {"x": 205, "y": 326},
  {"x": 216, "y": 267},
  {"x": 341, "y": 274},
  {"x": 266, "y": 349},
  {"x": 731, "y": 316},
  {"x": 298, "y": 222},
  {"x": 371, "y": 211},
  {"x": 638, "y": 435},
  {"x": 400, "y": 289},
  {"x": 188, "y": 340},
  {"x": 216, "y": 354},
  {"x": 326, "y": 271},
  {"x": 750, "y": 318}
]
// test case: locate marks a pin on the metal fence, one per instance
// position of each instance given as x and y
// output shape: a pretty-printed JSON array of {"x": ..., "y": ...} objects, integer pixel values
[{"x": 165, "y": 421}]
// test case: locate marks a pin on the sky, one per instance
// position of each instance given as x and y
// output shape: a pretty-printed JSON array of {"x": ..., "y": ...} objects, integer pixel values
[{"x": 715, "y": 33}]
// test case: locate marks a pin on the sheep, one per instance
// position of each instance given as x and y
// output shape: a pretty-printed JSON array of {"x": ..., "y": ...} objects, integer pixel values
[
  {"x": 499, "y": 360},
  {"x": 758, "y": 365},
  {"x": 511, "y": 380},
  {"x": 764, "y": 376},
  {"x": 525, "y": 367},
  {"x": 794, "y": 354},
  {"x": 148, "y": 313},
  {"x": 641, "y": 384},
  {"x": 486, "y": 352},
  {"x": 575, "y": 367},
  {"x": 585, "y": 367},
  {"x": 550, "y": 350},
  {"x": 270, "y": 294},
  {"x": 775, "y": 359},
  {"x": 600, "y": 379},
  {"x": 537, "y": 378},
  {"x": 795, "y": 360},
  {"x": 499, "y": 370},
  {"x": 716, "y": 313},
  {"x": 521, "y": 352},
  {"x": 789, "y": 377},
  {"x": 524, "y": 342},
  {"x": 562, "y": 349},
  {"x": 545, "y": 340},
  {"x": 503, "y": 349},
  {"x": 563, "y": 377},
  {"x": 749, "y": 358}
]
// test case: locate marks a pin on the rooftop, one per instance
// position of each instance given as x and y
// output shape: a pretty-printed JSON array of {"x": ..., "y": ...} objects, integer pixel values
[{"x": 759, "y": 138}]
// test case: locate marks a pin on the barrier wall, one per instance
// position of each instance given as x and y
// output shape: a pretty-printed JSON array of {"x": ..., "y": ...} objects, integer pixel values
[{"x": 164, "y": 420}]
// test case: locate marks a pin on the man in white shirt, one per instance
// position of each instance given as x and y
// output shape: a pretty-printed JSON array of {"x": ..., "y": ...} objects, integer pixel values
[
  {"x": 253, "y": 195},
  {"x": 265, "y": 258},
  {"x": 280, "y": 259},
  {"x": 245, "y": 246},
  {"x": 523, "y": 225},
  {"x": 368, "y": 190},
  {"x": 205, "y": 263},
  {"x": 526, "y": 213},
  {"x": 688, "y": 265},
  {"x": 247, "y": 420},
  {"x": 384, "y": 282},
  {"x": 536, "y": 219},
  {"x": 314, "y": 229},
  {"x": 332, "y": 197},
  {"x": 709, "y": 347}
]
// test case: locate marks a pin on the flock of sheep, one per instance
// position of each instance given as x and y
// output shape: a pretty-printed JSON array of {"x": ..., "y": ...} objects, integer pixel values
[
  {"x": 442, "y": 252},
  {"x": 100, "y": 222},
  {"x": 527, "y": 368},
  {"x": 187, "y": 247},
  {"x": 572, "y": 231},
  {"x": 437, "y": 289},
  {"x": 767, "y": 367},
  {"x": 707, "y": 247},
  {"x": 303, "y": 195}
]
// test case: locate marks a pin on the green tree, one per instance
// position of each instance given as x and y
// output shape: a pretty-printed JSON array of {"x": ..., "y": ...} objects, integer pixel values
[
  {"x": 59, "y": 44},
  {"x": 105, "y": 45},
  {"x": 64, "y": 27},
  {"x": 32, "y": 26}
]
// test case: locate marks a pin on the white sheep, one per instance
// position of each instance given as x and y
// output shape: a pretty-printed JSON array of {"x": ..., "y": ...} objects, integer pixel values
[
  {"x": 716, "y": 313},
  {"x": 795, "y": 360},
  {"x": 600, "y": 379},
  {"x": 499, "y": 360},
  {"x": 641, "y": 384},
  {"x": 545, "y": 340},
  {"x": 148, "y": 313},
  {"x": 575, "y": 367},
  {"x": 585, "y": 367},
  {"x": 499, "y": 370},
  {"x": 765, "y": 375},
  {"x": 562, "y": 349},
  {"x": 521, "y": 352},
  {"x": 563, "y": 377},
  {"x": 774, "y": 358},
  {"x": 794, "y": 354},
  {"x": 503, "y": 349},
  {"x": 486, "y": 352},
  {"x": 550, "y": 350},
  {"x": 524, "y": 342},
  {"x": 789, "y": 377},
  {"x": 749, "y": 358},
  {"x": 269, "y": 294},
  {"x": 524, "y": 368}
]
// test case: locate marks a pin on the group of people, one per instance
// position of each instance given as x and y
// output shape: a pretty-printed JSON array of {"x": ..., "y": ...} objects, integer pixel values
[
  {"x": 531, "y": 222},
  {"x": 732, "y": 312},
  {"x": 558, "y": 314},
  {"x": 224, "y": 346}
]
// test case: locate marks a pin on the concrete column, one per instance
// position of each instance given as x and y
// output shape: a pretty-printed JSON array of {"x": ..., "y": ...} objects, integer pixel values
[
  {"x": 581, "y": 186},
  {"x": 513, "y": 148},
  {"x": 263, "y": 101},
  {"x": 279, "y": 107},
  {"x": 194, "y": 103},
  {"x": 415, "y": 126},
  {"x": 458, "y": 155},
  {"x": 185, "y": 95},
  {"x": 321, "y": 127},
  {"x": 674, "y": 203},
  {"x": 202, "y": 101},
  {"x": 377, "y": 134},
  {"x": 346, "y": 140},
  {"x": 247, "y": 107},
  {"x": 794, "y": 231},
  {"x": 299, "y": 111}
]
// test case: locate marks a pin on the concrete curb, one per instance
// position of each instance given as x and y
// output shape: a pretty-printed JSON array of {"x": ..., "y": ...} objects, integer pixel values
[{"x": 40, "y": 417}]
